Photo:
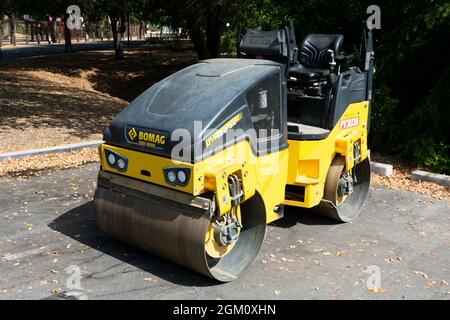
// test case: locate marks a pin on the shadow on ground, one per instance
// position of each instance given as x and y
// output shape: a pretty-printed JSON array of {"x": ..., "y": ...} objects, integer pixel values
[
  {"x": 79, "y": 224},
  {"x": 294, "y": 215}
]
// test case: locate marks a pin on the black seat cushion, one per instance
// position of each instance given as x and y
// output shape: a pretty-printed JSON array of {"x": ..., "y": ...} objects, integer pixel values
[
  {"x": 313, "y": 57},
  {"x": 307, "y": 74},
  {"x": 313, "y": 49}
]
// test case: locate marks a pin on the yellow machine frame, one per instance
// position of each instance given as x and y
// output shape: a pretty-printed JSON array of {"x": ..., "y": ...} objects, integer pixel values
[{"x": 304, "y": 163}]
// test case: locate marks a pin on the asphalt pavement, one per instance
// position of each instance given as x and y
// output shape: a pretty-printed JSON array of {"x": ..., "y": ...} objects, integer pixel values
[{"x": 400, "y": 245}]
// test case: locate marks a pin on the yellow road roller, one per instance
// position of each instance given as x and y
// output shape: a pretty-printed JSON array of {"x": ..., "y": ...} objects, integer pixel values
[{"x": 195, "y": 167}]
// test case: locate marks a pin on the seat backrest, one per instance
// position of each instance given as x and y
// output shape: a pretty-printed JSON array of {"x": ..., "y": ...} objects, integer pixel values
[
  {"x": 313, "y": 49},
  {"x": 272, "y": 45}
]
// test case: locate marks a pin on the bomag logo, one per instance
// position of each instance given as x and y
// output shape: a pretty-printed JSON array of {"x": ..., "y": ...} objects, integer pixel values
[
  {"x": 146, "y": 137},
  {"x": 152, "y": 137},
  {"x": 132, "y": 133}
]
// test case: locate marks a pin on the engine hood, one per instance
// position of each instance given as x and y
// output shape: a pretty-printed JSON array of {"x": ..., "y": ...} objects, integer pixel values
[{"x": 205, "y": 95}]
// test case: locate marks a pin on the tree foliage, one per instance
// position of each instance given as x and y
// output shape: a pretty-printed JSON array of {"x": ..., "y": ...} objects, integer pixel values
[{"x": 410, "y": 109}]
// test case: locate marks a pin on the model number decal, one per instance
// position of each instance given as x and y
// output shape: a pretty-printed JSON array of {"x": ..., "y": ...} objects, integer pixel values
[
  {"x": 349, "y": 123},
  {"x": 221, "y": 131}
]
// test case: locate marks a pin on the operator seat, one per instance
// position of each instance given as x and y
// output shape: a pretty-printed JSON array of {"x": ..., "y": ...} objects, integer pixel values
[
  {"x": 311, "y": 81},
  {"x": 314, "y": 58}
]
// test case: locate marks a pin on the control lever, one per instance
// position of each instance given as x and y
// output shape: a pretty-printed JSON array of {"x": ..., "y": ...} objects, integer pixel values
[{"x": 332, "y": 61}]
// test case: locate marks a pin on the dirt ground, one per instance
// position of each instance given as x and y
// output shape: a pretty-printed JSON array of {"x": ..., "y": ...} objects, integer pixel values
[
  {"x": 70, "y": 98},
  {"x": 400, "y": 179}
]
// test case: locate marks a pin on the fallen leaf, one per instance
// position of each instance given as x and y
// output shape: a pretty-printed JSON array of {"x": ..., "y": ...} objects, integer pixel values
[
  {"x": 43, "y": 282},
  {"x": 423, "y": 274},
  {"x": 55, "y": 290}
]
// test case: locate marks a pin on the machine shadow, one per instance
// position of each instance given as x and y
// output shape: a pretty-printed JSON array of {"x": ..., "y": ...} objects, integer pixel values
[
  {"x": 295, "y": 215},
  {"x": 79, "y": 224}
]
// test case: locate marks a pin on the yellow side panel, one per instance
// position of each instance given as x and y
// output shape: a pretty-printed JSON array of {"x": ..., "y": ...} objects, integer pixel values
[
  {"x": 271, "y": 181},
  {"x": 309, "y": 160}
]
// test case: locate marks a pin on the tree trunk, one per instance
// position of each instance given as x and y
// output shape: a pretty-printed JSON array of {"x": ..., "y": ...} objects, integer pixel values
[
  {"x": 199, "y": 42},
  {"x": 122, "y": 28},
  {"x": 206, "y": 38},
  {"x": 118, "y": 48},
  {"x": 214, "y": 31},
  {"x": 1, "y": 41},
  {"x": 67, "y": 34}
]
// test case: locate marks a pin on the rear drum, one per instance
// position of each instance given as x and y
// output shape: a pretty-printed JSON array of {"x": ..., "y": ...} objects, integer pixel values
[{"x": 338, "y": 205}]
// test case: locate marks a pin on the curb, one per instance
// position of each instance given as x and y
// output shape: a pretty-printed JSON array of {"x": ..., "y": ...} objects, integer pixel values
[
  {"x": 48, "y": 150},
  {"x": 382, "y": 169},
  {"x": 440, "y": 179}
]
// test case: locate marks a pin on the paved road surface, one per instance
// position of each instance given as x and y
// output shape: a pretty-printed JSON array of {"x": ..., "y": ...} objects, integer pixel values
[
  {"x": 40, "y": 50},
  {"x": 46, "y": 225}
]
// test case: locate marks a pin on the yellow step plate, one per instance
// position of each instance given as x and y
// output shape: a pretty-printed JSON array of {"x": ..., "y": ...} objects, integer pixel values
[{"x": 305, "y": 180}]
